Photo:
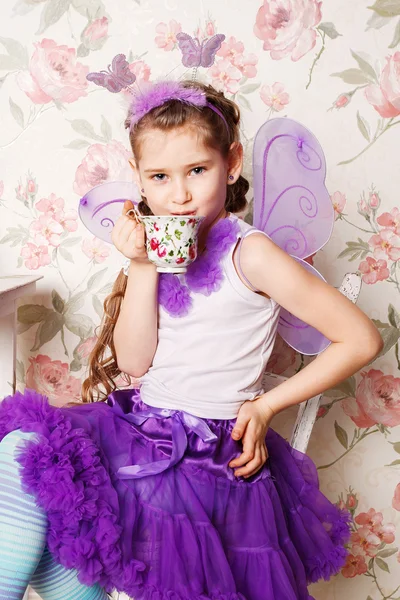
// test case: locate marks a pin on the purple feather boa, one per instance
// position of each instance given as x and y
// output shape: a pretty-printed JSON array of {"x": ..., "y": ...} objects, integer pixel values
[{"x": 204, "y": 275}]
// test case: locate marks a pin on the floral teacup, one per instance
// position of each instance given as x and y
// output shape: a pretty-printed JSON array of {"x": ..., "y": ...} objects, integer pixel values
[{"x": 171, "y": 241}]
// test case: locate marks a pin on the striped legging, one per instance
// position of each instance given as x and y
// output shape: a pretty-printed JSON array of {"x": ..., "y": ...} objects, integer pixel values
[{"x": 24, "y": 559}]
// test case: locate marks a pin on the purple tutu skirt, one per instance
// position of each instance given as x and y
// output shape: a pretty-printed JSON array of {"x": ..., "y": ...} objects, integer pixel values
[{"x": 142, "y": 501}]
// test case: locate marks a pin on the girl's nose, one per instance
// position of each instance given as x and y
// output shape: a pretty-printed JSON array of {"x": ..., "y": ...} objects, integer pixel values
[{"x": 181, "y": 194}]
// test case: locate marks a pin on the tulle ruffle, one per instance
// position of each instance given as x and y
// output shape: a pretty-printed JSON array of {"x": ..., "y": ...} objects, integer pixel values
[{"x": 193, "y": 532}]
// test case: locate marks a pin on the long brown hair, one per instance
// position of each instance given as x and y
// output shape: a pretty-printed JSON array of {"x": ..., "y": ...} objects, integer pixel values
[{"x": 103, "y": 367}]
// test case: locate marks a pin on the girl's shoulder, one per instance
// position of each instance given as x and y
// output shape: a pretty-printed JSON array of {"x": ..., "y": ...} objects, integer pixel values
[{"x": 245, "y": 229}]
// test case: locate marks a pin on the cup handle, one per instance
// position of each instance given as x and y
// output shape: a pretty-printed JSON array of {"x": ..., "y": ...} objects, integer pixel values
[{"x": 133, "y": 212}]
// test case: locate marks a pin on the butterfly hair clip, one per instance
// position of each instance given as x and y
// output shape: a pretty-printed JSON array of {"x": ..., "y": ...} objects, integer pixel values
[
  {"x": 117, "y": 77},
  {"x": 199, "y": 54}
]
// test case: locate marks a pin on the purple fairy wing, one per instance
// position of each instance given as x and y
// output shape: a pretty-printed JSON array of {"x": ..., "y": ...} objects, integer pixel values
[
  {"x": 190, "y": 48},
  {"x": 293, "y": 206},
  {"x": 101, "y": 206},
  {"x": 209, "y": 48}
]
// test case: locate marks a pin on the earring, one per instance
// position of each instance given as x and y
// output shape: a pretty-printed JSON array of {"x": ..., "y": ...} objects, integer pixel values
[
  {"x": 231, "y": 177},
  {"x": 142, "y": 190}
]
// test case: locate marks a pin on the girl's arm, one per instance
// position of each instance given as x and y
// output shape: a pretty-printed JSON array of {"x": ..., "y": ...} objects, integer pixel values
[
  {"x": 355, "y": 339},
  {"x": 135, "y": 333}
]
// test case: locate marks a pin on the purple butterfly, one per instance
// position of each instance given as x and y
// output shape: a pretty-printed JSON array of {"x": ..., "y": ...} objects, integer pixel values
[
  {"x": 116, "y": 78},
  {"x": 196, "y": 54}
]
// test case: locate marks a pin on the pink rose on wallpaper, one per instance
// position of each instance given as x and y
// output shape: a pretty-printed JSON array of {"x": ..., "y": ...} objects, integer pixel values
[
  {"x": 35, "y": 256},
  {"x": 355, "y": 565},
  {"x": 275, "y": 96},
  {"x": 374, "y": 521},
  {"x": 225, "y": 76},
  {"x": 52, "y": 378},
  {"x": 339, "y": 202},
  {"x": 68, "y": 220},
  {"x": 53, "y": 74},
  {"x": 342, "y": 101},
  {"x": 233, "y": 50},
  {"x": 95, "y": 249},
  {"x": 283, "y": 356},
  {"x": 166, "y": 37},
  {"x": 390, "y": 220},
  {"x": 377, "y": 400},
  {"x": 396, "y": 499},
  {"x": 363, "y": 208},
  {"x": 364, "y": 541},
  {"x": 373, "y": 270},
  {"x": 46, "y": 230},
  {"x": 103, "y": 162},
  {"x": 286, "y": 27},
  {"x": 95, "y": 34},
  {"x": 140, "y": 69},
  {"x": 385, "y": 97},
  {"x": 51, "y": 205},
  {"x": 385, "y": 245}
]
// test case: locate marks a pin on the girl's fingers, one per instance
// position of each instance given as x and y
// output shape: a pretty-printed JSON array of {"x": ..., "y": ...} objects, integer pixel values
[
  {"x": 140, "y": 237},
  {"x": 247, "y": 455},
  {"x": 128, "y": 205},
  {"x": 252, "y": 466}
]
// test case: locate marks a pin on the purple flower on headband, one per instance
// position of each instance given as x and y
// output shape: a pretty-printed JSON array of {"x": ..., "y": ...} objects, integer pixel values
[
  {"x": 159, "y": 93},
  {"x": 173, "y": 296}
]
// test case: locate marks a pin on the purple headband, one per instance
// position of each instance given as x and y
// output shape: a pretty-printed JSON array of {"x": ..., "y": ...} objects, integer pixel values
[{"x": 159, "y": 93}]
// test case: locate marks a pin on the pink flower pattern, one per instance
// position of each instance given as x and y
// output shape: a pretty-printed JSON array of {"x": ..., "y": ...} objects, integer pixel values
[
  {"x": 339, "y": 202},
  {"x": 385, "y": 97},
  {"x": 46, "y": 230},
  {"x": 52, "y": 378},
  {"x": 103, "y": 162},
  {"x": 275, "y": 96},
  {"x": 166, "y": 37},
  {"x": 54, "y": 74},
  {"x": 373, "y": 270},
  {"x": 35, "y": 256},
  {"x": 225, "y": 76},
  {"x": 233, "y": 51},
  {"x": 95, "y": 249},
  {"x": 377, "y": 400},
  {"x": 287, "y": 27}
]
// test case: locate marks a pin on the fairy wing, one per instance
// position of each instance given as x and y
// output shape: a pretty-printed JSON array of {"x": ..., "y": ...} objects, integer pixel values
[
  {"x": 293, "y": 207},
  {"x": 101, "y": 206}
]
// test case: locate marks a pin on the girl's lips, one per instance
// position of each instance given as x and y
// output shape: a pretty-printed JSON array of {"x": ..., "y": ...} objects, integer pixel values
[{"x": 186, "y": 214}]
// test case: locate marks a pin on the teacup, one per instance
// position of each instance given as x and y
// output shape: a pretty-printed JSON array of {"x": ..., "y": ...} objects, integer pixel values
[{"x": 171, "y": 241}]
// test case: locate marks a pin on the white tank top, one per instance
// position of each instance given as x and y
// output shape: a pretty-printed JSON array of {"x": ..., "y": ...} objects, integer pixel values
[{"x": 210, "y": 361}]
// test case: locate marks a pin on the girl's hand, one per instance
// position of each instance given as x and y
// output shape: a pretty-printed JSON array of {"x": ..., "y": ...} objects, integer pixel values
[
  {"x": 251, "y": 426},
  {"x": 129, "y": 237}
]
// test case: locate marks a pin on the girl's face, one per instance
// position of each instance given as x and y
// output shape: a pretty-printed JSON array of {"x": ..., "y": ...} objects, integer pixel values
[{"x": 181, "y": 176}]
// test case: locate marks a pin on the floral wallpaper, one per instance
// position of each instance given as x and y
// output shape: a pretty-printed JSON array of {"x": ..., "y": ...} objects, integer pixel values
[{"x": 334, "y": 65}]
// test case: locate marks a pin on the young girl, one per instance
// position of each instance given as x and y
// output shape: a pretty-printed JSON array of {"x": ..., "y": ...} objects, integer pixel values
[{"x": 181, "y": 490}]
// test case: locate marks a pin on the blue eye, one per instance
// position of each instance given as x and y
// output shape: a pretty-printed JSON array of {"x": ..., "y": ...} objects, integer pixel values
[{"x": 197, "y": 169}]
